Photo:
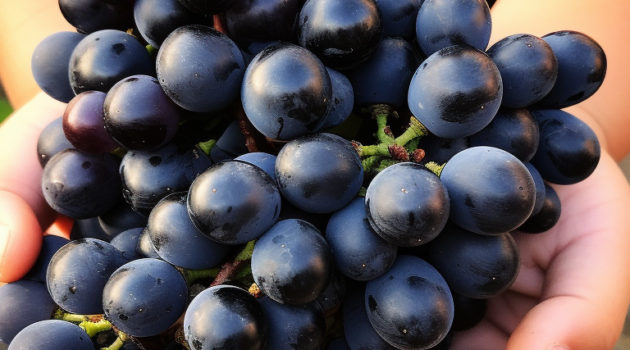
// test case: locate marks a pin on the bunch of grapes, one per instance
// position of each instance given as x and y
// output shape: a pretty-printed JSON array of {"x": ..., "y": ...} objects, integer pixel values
[{"x": 286, "y": 174}]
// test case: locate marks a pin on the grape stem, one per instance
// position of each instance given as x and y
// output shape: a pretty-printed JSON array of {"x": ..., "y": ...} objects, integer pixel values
[
  {"x": 435, "y": 167},
  {"x": 118, "y": 343},
  {"x": 93, "y": 328}
]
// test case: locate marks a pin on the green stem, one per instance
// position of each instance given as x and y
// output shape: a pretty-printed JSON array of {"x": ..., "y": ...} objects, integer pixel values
[
  {"x": 415, "y": 129},
  {"x": 93, "y": 328},
  {"x": 435, "y": 167},
  {"x": 381, "y": 124},
  {"x": 118, "y": 343},
  {"x": 246, "y": 252},
  {"x": 206, "y": 146},
  {"x": 385, "y": 163},
  {"x": 381, "y": 149},
  {"x": 61, "y": 315},
  {"x": 370, "y": 163},
  {"x": 194, "y": 275}
]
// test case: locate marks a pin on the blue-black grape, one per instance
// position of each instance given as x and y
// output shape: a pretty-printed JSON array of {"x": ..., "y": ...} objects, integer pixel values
[
  {"x": 359, "y": 252},
  {"x": 52, "y": 334},
  {"x": 407, "y": 205},
  {"x": 144, "y": 297},
  {"x": 569, "y": 150},
  {"x": 78, "y": 272},
  {"x": 231, "y": 142},
  {"x": 341, "y": 33},
  {"x": 547, "y": 216},
  {"x": 265, "y": 161},
  {"x": 89, "y": 228},
  {"x": 539, "y": 184},
  {"x": 332, "y": 296},
  {"x": 51, "y": 141},
  {"x": 23, "y": 303},
  {"x": 442, "y": 23},
  {"x": 176, "y": 239},
  {"x": 319, "y": 173},
  {"x": 200, "y": 69},
  {"x": 491, "y": 191},
  {"x": 49, "y": 64},
  {"x": 512, "y": 130},
  {"x": 127, "y": 242},
  {"x": 440, "y": 150},
  {"x": 233, "y": 202},
  {"x": 148, "y": 176},
  {"x": 468, "y": 311},
  {"x": 145, "y": 247},
  {"x": 581, "y": 68},
  {"x": 399, "y": 17},
  {"x": 92, "y": 15},
  {"x": 120, "y": 218},
  {"x": 103, "y": 58},
  {"x": 83, "y": 123},
  {"x": 138, "y": 115},
  {"x": 50, "y": 245},
  {"x": 81, "y": 185},
  {"x": 384, "y": 77},
  {"x": 236, "y": 317},
  {"x": 293, "y": 326},
  {"x": 528, "y": 69},
  {"x": 286, "y": 92},
  {"x": 342, "y": 100},
  {"x": 337, "y": 344},
  {"x": 455, "y": 92},
  {"x": 204, "y": 7},
  {"x": 291, "y": 262},
  {"x": 156, "y": 19},
  {"x": 474, "y": 265},
  {"x": 411, "y": 306},
  {"x": 357, "y": 329}
]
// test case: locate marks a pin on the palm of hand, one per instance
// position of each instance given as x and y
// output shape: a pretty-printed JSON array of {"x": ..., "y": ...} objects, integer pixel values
[{"x": 572, "y": 287}]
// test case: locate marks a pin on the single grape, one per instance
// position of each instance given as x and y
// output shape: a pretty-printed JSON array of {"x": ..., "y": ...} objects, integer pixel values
[
  {"x": 91, "y": 15},
  {"x": 291, "y": 262},
  {"x": 407, "y": 205},
  {"x": 51, "y": 141},
  {"x": 127, "y": 242},
  {"x": 120, "y": 218},
  {"x": 50, "y": 245},
  {"x": 205, "y": 7},
  {"x": 357, "y": 329},
  {"x": 144, "y": 297},
  {"x": 342, "y": 100},
  {"x": 265, "y": 161},
  {"x": 145, "y": 247},
  {"x": 52, "y": 334},
  {"x": 455, "y": 92},
  {"x": 547, "y": 216},
  {"x": 233, "y": 202},
  {"x": 399, "y": 17},
  {"x": 319, "y": 173},
  {"x": 156, "y": 19},
  {"x": 23, "y": 303},
  {"x": 539, "y": 183},
  {"x": 83, "y": 123},
  {"x": 236, "y": 317},
  {"x": 78, "y": 272}
]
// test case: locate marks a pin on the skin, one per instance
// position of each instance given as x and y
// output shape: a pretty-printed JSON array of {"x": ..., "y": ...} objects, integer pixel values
[{"x": 572, "y": 290}]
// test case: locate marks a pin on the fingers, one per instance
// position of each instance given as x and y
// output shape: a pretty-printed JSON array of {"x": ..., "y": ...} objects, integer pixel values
[
  {"x": 20, "y": 170},
  {"x": 586, "y": 294}
]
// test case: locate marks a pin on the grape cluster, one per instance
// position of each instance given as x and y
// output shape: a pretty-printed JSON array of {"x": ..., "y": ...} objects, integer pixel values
[{"x": 229, "y": 191}]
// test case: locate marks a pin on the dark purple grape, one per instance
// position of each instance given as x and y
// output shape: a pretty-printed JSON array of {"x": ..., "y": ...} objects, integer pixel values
[
  {"x": 138, "y": 115},
  {"x": 122, "y": 217},
  {"x": 569, "y": 150},
  {"x": 528, "y": 69},
  {"x": 341, "y": 33},
  {"x": 286, "y": 92},
  {"x": 468, "y": 311},
  {"x": 231, "y": 141},
  {"x": 156, "y": 19},
  {"x": 411, "y": 306},
  {"x": 49, "y": 64},
  {"x": 233, "y": 202},
  {"x": 491, "y": 191},
  {"x": 359, "y": 333},
  {"x": 78, "y": 272},
  {"x": 145, "y": 247},
  {"x": 539, "y": 183},
  {"x": 51, "y": 141},
  {"x": 127, "y": 242},
  {"x": 249, "y": 21},
  {"x": 91, "y": 15},
  {"x": 440, "y": 150},
  {"x": 23, "y": 303},
  {"x": 455, "y": 92},
  {"x": 204, "y": 7},
  {"x": 331, "y": 297},
  {"x": 52, "y": 334},
  {"x": 399, "y": 17},
  {"x": 512, "y": 130},
  {"x": 476, "y": 266},
  {"x": 581, "y": 68},
  {"x": 144, "y": 297},
  {"x": 236, "y": 317},
  {"x": 200, "y": 69},
  {"x": 83, "y": 123},
  {"x": 407, "y": 205},
  {"x": 319, "y": 173},
  {"x": 81, "y": 185},
  {"x": 441, "y": 24},
  {"x": 359, "y": 252},
  {"x": 291, "y": 262},
  {"x": 175, "y": 238},
  {"x": 342, "y": 100},
  {"x": 148, "y": 176},
  {"x": 548, "y": 215},
  {"x": 50, "y": 245},
  {"x": 89, "y": 228},
  {"x": 384, "y": 77},
  {"x": 265, "y": 161},
  {"x": 105, "y": 57},
  {"x": 293, "y": 326}
]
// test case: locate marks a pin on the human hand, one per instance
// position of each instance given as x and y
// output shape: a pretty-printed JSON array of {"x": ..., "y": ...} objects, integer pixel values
[{"x": 571, "y": 288}]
